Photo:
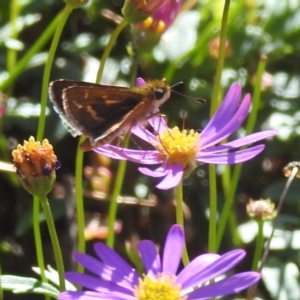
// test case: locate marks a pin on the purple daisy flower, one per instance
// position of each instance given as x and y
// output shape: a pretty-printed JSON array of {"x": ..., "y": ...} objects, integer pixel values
[
  {"x": 113, "y": 278},
  {"x": 177, "y": 151}
]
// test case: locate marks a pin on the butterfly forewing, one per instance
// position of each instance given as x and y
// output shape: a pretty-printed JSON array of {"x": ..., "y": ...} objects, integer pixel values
[{"x": 98, "y": 109}]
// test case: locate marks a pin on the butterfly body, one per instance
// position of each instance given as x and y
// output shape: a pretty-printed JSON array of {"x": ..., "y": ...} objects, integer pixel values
[{"x": 103, "y": 112}]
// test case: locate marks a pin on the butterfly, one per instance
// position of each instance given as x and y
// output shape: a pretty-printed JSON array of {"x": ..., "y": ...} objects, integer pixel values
[{"x": 103, "y": 112}]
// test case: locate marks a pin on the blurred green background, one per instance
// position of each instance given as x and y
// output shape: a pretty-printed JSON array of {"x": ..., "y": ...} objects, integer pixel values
[{"x": 185, "y": 52}]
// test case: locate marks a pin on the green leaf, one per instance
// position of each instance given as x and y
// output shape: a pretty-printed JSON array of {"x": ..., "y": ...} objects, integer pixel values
[{"x": 18, "y": 285}]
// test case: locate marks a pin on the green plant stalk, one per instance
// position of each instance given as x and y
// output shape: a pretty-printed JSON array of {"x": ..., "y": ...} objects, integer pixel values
[
  {"x": 38, "y": 240},
  {"x": 112, "y": 214},
  {"x": 214, "y": 104},
  {"x": 259, "y": 245},
  {"x": 79, "y": 201},
  {"x": 36, "y": 47},
  {"x": 180, "y": 218},
  {"x": 108, "y": 48},
  {"x": 12, "y": 53},
  {"x": 229, "y": 196},
  {"x": 212, "y": 209},
  {"x": 54, "y": 241},
  {"x": 46, "y": 76}
]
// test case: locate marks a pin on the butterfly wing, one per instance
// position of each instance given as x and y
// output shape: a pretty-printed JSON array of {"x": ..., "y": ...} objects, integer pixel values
[
  {"x": 95, "y": 112},
  {"x": 56, "y": 91}
]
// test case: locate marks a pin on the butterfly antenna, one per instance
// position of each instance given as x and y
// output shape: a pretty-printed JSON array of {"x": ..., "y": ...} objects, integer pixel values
[{"x": 200, "y": 100}]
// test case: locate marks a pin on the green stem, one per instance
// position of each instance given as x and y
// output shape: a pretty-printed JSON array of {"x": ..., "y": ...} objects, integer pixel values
[
  {"x": 229, "y": 197},
  {"x": 112, "y": 214},
  {"x": 36, "y": 47},
  {"x": 54, "y": 240},
  {"x": 180, "y": 218},
  {"x": 46, "y": 76},
  {"x": 38, "y": 240},
  {"x": 258, "y": 246},
  {"x": 213, "y": 107},
  {"x": 12, "y": 53},
  {"x": 79, "y": 201},
  {"x": 223, "y": 34},
  {"x": 108, "y": 48},
  {"x": 212, "y": 209}
]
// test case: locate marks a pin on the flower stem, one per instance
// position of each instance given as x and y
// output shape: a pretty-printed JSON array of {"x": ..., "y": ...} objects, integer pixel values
[
  {"x": 54, "y": 240},
  {"x": 114, "y": 199},
  {"x": 108, "y": 48},
  {"x": 79, "y": 201},
  {"x": 46, "y": 76},
  {"x": 212, "y": 209},
  {"x": 229, "y": 196},
  {"x": 213, "y": 108},
  {"x": 221, "y": 57},
  {"x": 180, "y": 218},
  {"x": 259, "y": 245},
  {"x": 38, "y": 240}
]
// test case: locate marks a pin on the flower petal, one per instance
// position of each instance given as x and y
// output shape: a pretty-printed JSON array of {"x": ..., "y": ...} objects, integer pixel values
[
  {"x": 150, "y": 257},
  {"x": 89, "y": 295},
  {"x": 173, "y": 250},
  {"x": 230, "y": 285},
  {"x": 226, "y": 262},
  {"x": 97, "y": 284},
  {"x": 140, "y": 82},
  {"x": 158, "y": 123},
  {"x": 195, "y": 266},
  {"x": 144, "y": 134},
  {"x": 147, "y": 157},
  {"x": 159, "y": 172},
  {"x": 172, "y": 179},
  {"x": 105, "y": 272},
  {"x": 249, "y": 139},
  {"x": 121, "y": 267},
  {"x": 224, "y": 112},
  {"x": 228, "y": 128},
  {"x": 231, "y": 157}
]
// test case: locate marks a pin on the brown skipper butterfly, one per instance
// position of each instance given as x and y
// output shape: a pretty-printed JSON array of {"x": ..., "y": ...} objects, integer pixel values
[{"x": 103, "y": 112}]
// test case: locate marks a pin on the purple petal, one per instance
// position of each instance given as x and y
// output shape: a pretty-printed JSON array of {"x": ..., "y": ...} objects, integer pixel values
[
  {"x": 158, "y": 123},
  {"x": 89, "y": 295},
  {"x": 105, "y": 272},
  {"x": 159, "y": 172},
  {"x": 150, "y": 257},
  {"x": 231, "y": 157},
  {"x": 147, "y": 157},
  {"x": 226, "y": 262},
  {"x": 97, "y": 284},
  {"x": 144, "y": 134},
  {"x": 231, "y": 285},
  {"x": 111, "y": 151},
  {"x": 121, "y": 267},
  {"x": 140, "y": 82},
  {"x": 172, "y": 179},
  {"x": 195, "y": 266},
  {"x": 173, "y": 250},
  {"x": 249, "y": 139},
  {"x": 223, "y": 132},
  {"x": 224, "y": 112}
]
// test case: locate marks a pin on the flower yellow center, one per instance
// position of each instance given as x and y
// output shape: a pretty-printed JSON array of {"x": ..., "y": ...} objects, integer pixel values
[
  {"x": 161, "y": 288},
  {"x": 32, "y": 157},
  {"x": 177, "y": 146}
]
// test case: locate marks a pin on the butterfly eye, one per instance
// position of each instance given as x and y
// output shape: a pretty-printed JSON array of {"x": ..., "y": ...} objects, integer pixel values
[{"x": 159, "y": 93}]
